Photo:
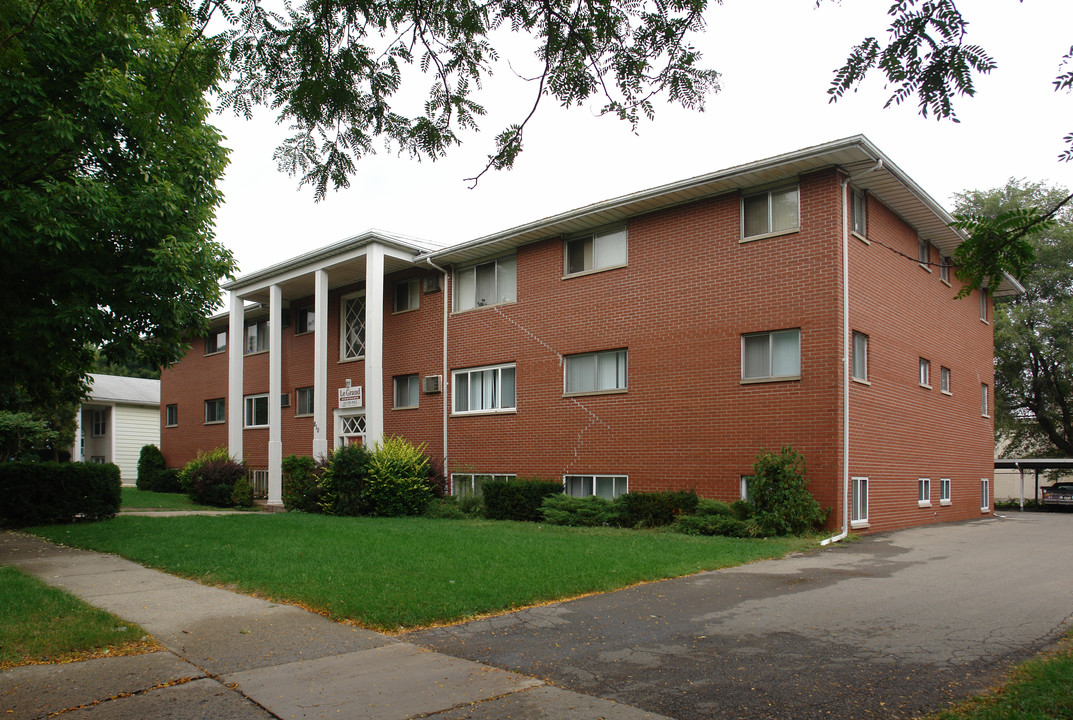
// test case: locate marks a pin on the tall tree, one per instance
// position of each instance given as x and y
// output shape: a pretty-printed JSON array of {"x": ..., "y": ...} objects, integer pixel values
[
  {"x": 1033, "y": 342},
  {"x": 108, "y": 173}
]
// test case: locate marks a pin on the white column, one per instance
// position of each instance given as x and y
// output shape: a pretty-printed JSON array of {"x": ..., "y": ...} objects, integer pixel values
[
  {"x": 374, "y": 344},
  {"x": 236, "y": 342},
  {"x": 275, "y": 415},
  {"x": 320, "y": 365}
]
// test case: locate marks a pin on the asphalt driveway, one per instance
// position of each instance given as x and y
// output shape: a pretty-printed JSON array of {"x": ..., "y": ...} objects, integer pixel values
[{"x": 893, "y": 625}]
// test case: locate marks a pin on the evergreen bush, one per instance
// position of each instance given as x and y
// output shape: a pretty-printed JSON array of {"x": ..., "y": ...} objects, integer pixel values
[
  {"x": 517, "y": 499},
  {"x": 150, "y": 465},
  {"x": 706, "y": 506},
  {"x": 655, "y": 509},
  {"x": 713, "y": 524},
  {"x": 343, "y": 480},
  {"x": 397, "y": 480},
  {"x": 781, "y": 501},
  {"x": 167, "y": 481},
  {"x": 301, "y": 484},
  {"x": 40, "y": 493},
  {"x": 578, "y": 511}
]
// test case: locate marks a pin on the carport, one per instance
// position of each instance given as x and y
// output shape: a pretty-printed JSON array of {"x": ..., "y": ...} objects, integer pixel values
[{"x": 1034, "y": 464}]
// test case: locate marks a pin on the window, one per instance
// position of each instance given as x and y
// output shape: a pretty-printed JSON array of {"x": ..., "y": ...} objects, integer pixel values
[
  {"x": 305, "y": 322},
  {"x": 407, "y": 295},
  {"x": 594, "y": 252},
  {"x": 925, "y": 373},
  {"x": 406, "y": 391},
  {"x": 983, "y": 304},
  {"x": 216, "y": 342},
  {"x": 473, "y": 483},
  {"x": 303, "y": 398},
  {"x": 256, "y": 411},
  {"x": 97, "y": 459},
  {"x": 983, "y": 400},
  {"x": 487, "y": 389},
  {"x": 860, "y": 213},
  {"x": 770, "y": 212},
  {"x": 171, "y": 415},
  {"x": 746, "y": 492},
  {"x": 771, "y": 355},
  {"x": 944, "y": 380},
  {"x": 924, "y": 492},
  {"x": 858, "y": 512},
  {"x": 985, "y": 495},
  {"x": 352, "y": 327},
  {"x": 257, "y": 337},
  {"x": 100, "y": 423},
  {"x": 944, "y": 269},
  {"x": 596, "y": 372},
  {"x": 351, "y": 430},
  {"x": 944, "y": 491},
  {"x": 922, "y": 254},
  {"x": 860, "y": 356},
  {"x": 605, "y": 486},
  {"x": 489, "y": 283},
  {"x": 214, "y": 411}
]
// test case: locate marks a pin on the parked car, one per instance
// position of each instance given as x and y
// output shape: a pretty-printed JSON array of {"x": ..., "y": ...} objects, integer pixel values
[{"x": 1058, "y": 495}]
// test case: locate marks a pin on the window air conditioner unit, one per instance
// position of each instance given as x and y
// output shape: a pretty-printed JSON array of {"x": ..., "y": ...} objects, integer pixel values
[
  {"x": 432, "y": 383},
  {"x": 285, "y": 400},
  {"x": 432, "y": 284}
]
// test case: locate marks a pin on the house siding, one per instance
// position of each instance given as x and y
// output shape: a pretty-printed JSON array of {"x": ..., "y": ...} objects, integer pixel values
[{"x": 134, "y": 427}]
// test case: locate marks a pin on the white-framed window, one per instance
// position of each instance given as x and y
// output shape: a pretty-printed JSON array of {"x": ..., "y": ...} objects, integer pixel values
[
  {"x": 215, "y": 342},
  {"x": 407, "y": 391},
  {"x": 983, "y": 304},
  {"x": 303, "y": 401},
  {"x": 352, "y": 326},
  {"x": 944, "y": 379},
  {"x": 484, "y": 389},
  {"x": 860, "y": 356},
  {"x": 473, "y": 483},
  {"x": 214, "y": 411},
  {"x": 603, "y": 371},
  {"x": 256, "y": 337},
  {"x": 770, "y": 212},
  {"x": 746, "y": 491},
  {"x": 771, "y": 355},
  {"x": 944, "y": 268},
  {"x": 858, "y": 506},
  {"x": 985, "y": 494},
  {"x": 100, "y": 423},
  {"x": 983, "y": 400},
  {"x": 923, "y": 253},
  {"x": 925, "y": 373},
  {"x": 860, "y": 213},
  {"x": 256, "y": 411},
  {"x": 944, "y": 491},
  {"x": 97, "y": 459},
  {"x": 605, "y": 486},
  {"x": 596, "y": 252},
  {"x": 305, "y": 321},
  {"x": 351, "y": 430},
  {"x": 407, "y": 294},
  {"x": 924, "y": 492},
  {"x": 171, "y": 415},
  {"x": 488, "y": 283}
]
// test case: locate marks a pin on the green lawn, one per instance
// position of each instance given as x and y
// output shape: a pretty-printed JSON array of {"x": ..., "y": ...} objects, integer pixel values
[
  {"x": 1040, "y": 689},
  {"x": 133, "y": 498},
  {"x": 39, "y": 623},
  {"x": 392, "y": 574}
]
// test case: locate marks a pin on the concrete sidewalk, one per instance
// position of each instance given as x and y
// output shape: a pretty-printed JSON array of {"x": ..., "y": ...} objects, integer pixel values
[{"x": 235, "y": 657}]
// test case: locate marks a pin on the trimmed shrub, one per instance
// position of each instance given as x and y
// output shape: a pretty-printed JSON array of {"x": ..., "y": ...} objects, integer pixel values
[
  {"x": 167, "y": 481},
  {"x": 783, "y": 505},
  {"x": 445, "y": 508},
  {"x": 578, "y": 511},
  {"x": 343, "y": 480},
  {"x": 397, "y": 481},
  {"x": 655, "y": 509},
  {"x": 301, "y": 484},
  {"x": 517, "y": 499},
  {"x": 186, "y": 474},
  {"x": 242, "y": 493},
  {"x": 213, "y": 482},
  {"x": 713, "y": 524},
  {"x": 40, "y": 493},
  {"x": 150, "y": 465},
  {"x": 706, "y": 506},
  {"x": 742, "y": 509}
]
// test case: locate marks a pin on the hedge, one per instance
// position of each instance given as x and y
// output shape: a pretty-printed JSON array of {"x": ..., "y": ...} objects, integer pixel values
[
  {"x": 517, "y": 499},
  {"x": 42, "y": 493}
]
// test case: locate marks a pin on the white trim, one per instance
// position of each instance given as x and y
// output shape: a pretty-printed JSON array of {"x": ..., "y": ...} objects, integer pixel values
[
  {"x": 499, "y": 386},
  {"x": 374, "y": 345},
  {"x": 923, "y": 483},
  {"x": 320, "y": 364},
  {"x": 944, "y": 491},
  {"x": 245, "y": 416}
]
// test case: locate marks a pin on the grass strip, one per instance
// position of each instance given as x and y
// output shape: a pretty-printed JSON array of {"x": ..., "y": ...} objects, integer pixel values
[
  {"x": 398, "y": 573},
  {"x": 40, "y": 623},
  {"x": 1040, "y": 689},
  {"x": 133, "y": 498}
]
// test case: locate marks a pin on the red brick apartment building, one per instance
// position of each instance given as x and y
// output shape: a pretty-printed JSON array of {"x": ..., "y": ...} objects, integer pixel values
[{"x": 653, "y": 341}]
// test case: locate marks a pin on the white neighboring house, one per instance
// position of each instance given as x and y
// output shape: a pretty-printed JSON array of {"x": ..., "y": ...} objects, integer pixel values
[{"x": 120, "y": 416}]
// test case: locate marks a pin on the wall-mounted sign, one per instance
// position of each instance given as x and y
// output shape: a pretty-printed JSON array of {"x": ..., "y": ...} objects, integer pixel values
[{"x": 350, "y": 397}]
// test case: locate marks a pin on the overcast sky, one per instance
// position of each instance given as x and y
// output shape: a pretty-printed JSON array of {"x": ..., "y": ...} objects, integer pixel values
[{"x": 776, "y": 57}]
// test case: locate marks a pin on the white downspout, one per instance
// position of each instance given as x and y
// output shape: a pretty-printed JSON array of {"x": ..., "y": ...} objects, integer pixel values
[
  {"x": 846, "y": 340},
  {"x": 443, "y": 387}
]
